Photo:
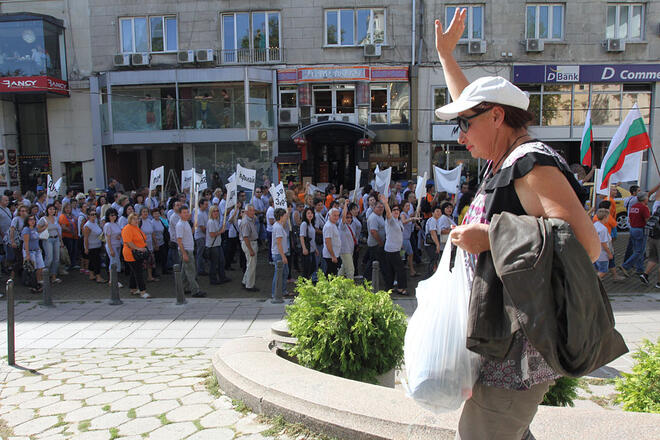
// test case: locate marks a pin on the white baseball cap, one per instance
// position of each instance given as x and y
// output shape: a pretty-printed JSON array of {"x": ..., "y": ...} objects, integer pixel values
[{"x": 493, "y": 89}]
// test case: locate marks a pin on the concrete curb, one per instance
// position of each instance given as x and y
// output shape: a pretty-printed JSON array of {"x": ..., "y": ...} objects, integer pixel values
[{"x": 347, "y": 409}]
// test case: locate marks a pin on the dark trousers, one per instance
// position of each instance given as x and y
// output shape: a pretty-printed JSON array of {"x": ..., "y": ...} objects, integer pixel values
[
  {"x": 94, "y": 257},
  {"x": 309, "y": 264},
  {"x": 230, "y": 251},
  {"x": 394, "y": 268},
  {"x": 217, "y": 266},
  {"x": 70, "y": 244},
  {"x": 374, "y": 253},
  {"x": 161, "y": 257},
  {"x": 137, "y": 275},
  {"x": 330, "y": 267}
]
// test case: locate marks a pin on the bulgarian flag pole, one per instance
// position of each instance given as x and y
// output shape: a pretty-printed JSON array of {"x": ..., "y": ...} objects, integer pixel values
[
  {"x": 587, "y": 141},
  {"x": 624, "y": 155}
]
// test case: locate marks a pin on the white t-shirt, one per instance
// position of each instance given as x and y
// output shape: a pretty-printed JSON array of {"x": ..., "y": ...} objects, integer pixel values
[
  {"x": 444, "y": 222},
  {"x": 184, "y": 231},
  {"x": 331, "y": 231},
  {"x": 431, "y": 225},
  {"x": 604, "y": 237},
  {"x": 279, "y": 232},
  {"x": 270, "y": 215}
]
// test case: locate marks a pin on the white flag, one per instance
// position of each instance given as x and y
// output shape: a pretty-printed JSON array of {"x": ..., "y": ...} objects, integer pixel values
[
  {"x": 377, "y": 170},
  {"x": 449, "y": 181},
  {"x": 186, "y": 179},
  {"x": 231, "y": 194},
  {"x": 353, "y": 195},
  {"x": 245, "y": 177},
  {"x": 312, "y": 189},
  {"x": 157, "y": 177},
  {"x": 200, "y": 181},
  {"x": 53, "y": 188},
  {"x": 232, "y": 177},
  {"x": 358, "y": 174},
  {"x": 420, "y": 189},
  {"x": 279, "y": 196},
  {"x": 383, "y": 179}
]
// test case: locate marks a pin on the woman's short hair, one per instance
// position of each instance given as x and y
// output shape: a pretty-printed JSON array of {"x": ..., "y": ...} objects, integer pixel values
[
  {"x": 279, "y": 212},
  {"x": 132, "y": 216},
  {"x": 444, "y": 205}
]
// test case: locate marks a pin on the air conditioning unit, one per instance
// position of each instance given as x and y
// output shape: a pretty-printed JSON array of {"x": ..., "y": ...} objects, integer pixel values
[
  {"x": 615, "y": 45},
  {"x": 533, "y": 45},
  {"x": 122, "y": 59},
  {"x": 186, "y": 56},
  {"x": 477, "y": 46},
  {"x": 289, "y": 116},
  {"x": 140, "y": 59},
  {"x": 205, "y": 55},
  {"x": 372, "y": 50}
]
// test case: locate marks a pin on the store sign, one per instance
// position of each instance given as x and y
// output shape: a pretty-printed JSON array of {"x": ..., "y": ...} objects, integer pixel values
[
  {"x": 588, "y": 73},
  {"x": 342, "y": 73},
  {"x": 34, "y": 84}
]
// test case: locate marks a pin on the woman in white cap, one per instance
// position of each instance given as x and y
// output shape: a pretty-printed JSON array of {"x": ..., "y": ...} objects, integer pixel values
[{"x": 524, "y": 177}]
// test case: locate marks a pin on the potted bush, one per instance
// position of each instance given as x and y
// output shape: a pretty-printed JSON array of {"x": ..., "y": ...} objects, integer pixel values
[{"x": 346, "y": 330}]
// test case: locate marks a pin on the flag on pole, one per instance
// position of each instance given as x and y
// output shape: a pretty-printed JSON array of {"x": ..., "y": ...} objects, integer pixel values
[
  {"x": 587, "y": 141},
  {"x": 447, "y": 180},
  {"x": 598, "y": 178},
  {"x": 231, "y": 194},
  {"x": 383, "y": 179},
  {"x": 200, "y": 181},
  {"x": 312, "y": 189},
  {"x": 621, "y": 162},
  {"x": 53, "y": 188},
  {"x": 420, "y": 188},
  {"x": 232, "y": 177},
  {"x": 279, "y": 196},
  {"x": 245, "y": 177},
  {"x": 186, "y": 179},
  {"x": 157, "y": 177},
  {"x": 358, "y": 175}
]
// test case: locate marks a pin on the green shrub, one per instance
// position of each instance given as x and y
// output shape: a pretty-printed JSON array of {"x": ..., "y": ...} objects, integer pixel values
[
  {"x": 640, "y": 390},
  {"x": 346, "y": 330},
  {"x": 562, "y": 393}
]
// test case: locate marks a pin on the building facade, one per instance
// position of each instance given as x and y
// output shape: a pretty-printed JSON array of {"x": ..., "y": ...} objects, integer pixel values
[{"x": 298, "y": 90}]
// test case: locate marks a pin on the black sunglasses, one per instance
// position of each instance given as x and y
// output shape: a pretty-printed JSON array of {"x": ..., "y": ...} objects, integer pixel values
[{"x": 463, "y": 122}]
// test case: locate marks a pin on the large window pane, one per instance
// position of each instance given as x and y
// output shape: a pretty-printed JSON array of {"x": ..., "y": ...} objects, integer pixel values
[
  {"x": 331, "y": 24},
  {"x": 136, "y": 109},
  {"x": 126, "y": 35},
  {"x": 531, "y": 21},
  {"x": 605, "y": 109},
  {"x": 535, "y": 108},
  {"x": 243, "y": 31},
  {"x": 440, "y": 98},
  {"x": 556, "y": 109},
  {"x": 228, "y": 40},
  {"x": 557, "y": 21},
  {"x": 378, "y": 101},
  {"x": 171, "y": 31},
  {"x": 347, "y": 29},
  {"x": 580, "y": 104},
  {"x": 141, "y": 34},
  {"x": 636, "y": 23},
  {"x": 399, "y": 103},
  {"x": 623, "y": 21},
  {"x": 259, "y": 30},
  {"x": 378, "y": 16},
  {"x": 274, "y": 30},
  {"x": 157, "y": 41},
  {"x": 363, "y": 17},
  {"x": 449, "y": 16},
  {"x": 477, "y": 22},
  {"x": 212, "y": 106},
  {"x": 322, "y": 102},
  {"x": 643, "y": 100},
  {"x": 345, "y": 101},
  {"x": 610, "y": 31},
  {"x": 544, "y": 21},
  {"x": 260, "y": 106}
]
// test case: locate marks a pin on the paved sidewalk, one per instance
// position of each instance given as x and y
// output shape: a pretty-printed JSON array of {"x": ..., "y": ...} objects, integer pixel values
[{"x": 89, "y": 370}]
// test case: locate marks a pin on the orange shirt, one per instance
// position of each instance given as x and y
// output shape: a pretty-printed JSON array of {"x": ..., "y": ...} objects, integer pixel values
[
  {"x": 609, "y": 224},
  {"x": 612, "y": 207},
  {"x": 134, "y": 235},
  {"x": 328, "y": 200},
  {"x": 71, "y": 224}
]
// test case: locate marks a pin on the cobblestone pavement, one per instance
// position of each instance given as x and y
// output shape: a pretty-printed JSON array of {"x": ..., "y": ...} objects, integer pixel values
[
  {"x": 76, "y": 286},
  {"x": 88, "y": 370}
]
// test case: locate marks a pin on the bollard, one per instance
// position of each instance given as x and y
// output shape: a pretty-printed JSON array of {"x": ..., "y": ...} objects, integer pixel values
[
  {"x": 11, "y": 339},
  {"x": 114, "y": 286},
  {"x": 375, "y": 275},
  {"x": 48, "y": 299},
  {"x": 178, "y": 285},
  {"x": 279, "y": 268}
]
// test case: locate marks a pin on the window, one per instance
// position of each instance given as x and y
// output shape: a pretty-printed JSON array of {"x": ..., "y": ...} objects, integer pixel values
[
  {"x": 474, "y": 25},
  {"x": 354, "y": 27},
  {"x": 379, "y": 101},
  {"x": 625, "y": 21},
  {"x": 251, "y": 37},
  {"x": 440, "y": 98},
  {"x": 288, "y": 97},
  {"x": 148, "y": 34},
  {"x": 545, "y": 22}
]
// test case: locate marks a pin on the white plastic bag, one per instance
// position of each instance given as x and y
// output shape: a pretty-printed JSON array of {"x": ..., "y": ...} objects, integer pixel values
[{"x": 440, "y": 370}]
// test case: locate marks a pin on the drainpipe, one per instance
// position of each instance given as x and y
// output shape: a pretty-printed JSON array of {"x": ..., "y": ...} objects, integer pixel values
[{"x": 412, "y": 45}]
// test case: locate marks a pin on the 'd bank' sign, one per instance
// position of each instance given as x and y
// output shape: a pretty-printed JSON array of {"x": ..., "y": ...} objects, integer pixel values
[{"x": 586, "y": 73}]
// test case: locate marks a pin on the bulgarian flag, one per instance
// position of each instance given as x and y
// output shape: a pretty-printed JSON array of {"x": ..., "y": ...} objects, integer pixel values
[
  {"x": 587, "y": 140},
  {"x": 624, "y": 154}
]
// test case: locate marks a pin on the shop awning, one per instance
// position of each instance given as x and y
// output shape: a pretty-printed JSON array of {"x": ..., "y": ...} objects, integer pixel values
[{"x": 340, "y": 125}]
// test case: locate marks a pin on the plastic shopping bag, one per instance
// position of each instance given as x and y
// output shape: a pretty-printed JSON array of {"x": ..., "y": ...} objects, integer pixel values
[{"x": 440, "y": 370}]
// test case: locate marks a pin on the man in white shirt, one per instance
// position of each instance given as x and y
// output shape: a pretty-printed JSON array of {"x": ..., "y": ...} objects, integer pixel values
[
  {"x": 186, "y": 245},
  {"x": 375, "y": 240},
  {"x": 173, "y": 219},
  {"x": 331, "y": 243}
]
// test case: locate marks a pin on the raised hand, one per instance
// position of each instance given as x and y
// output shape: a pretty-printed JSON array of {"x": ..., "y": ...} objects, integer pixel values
[{"x": 445, "y": 41}]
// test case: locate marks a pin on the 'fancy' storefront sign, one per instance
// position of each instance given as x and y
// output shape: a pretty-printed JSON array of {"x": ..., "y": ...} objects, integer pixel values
[
  {"x": 587, "y": 73},
  {"x": 33, "y": 84}
]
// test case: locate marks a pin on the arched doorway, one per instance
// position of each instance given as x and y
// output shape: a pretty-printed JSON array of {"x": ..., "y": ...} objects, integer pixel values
[{"x": 332, "y": 151}]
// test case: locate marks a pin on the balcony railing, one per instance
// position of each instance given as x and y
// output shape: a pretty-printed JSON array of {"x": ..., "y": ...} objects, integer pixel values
[{"x": 252, "y": 56}]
